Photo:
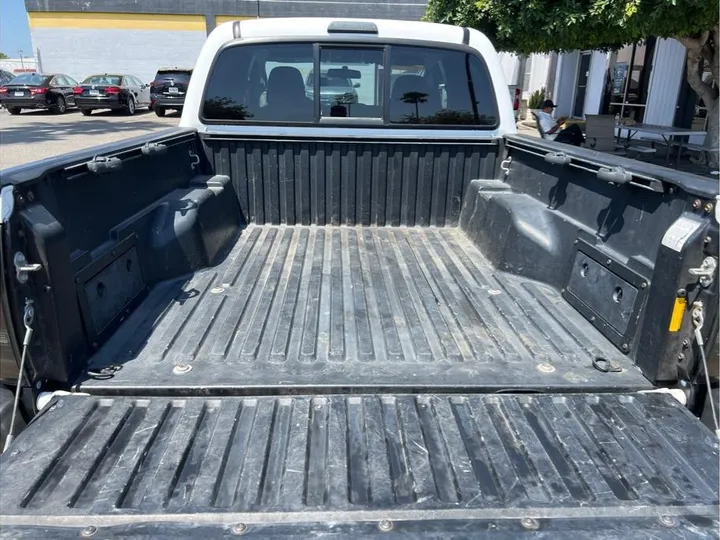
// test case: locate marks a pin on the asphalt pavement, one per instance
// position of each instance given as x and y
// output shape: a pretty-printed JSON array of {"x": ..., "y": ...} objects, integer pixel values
[{"x": 35, "y": 135}]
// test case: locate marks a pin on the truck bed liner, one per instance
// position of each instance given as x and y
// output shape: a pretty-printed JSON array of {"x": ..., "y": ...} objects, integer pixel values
[
  {"x": 603, "y": 464},
  {"x": 366, "y": 307}
]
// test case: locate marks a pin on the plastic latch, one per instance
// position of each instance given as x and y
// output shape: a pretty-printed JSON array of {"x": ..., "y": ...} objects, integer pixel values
[
  {"x": 153, "y": 148},
  {"x": 557, "y": 158},
  {"x": 101, "y": 164},
  {"x": 616, "y": 175}
]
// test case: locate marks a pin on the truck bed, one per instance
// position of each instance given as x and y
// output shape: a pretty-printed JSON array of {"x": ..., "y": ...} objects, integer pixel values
[{"x": 330, "y": 307}]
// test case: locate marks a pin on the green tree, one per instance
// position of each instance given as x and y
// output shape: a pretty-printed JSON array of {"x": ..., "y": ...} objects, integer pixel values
[
  {"x": 3, "y": 56},
  {"x": 539, "y": 26}
]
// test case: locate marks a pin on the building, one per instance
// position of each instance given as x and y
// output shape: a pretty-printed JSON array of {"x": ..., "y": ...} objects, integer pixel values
[
  {"x": 96, "y": 36},
  {"x": 19, "y": 65},
  {"x": 644, "y": 82}
]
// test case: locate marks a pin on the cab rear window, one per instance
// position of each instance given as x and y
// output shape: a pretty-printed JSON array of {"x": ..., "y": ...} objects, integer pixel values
[{"x": 391, "y": 85}]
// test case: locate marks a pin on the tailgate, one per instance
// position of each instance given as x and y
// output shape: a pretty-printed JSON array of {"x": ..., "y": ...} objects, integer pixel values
[{"x": 450, "y": 465}]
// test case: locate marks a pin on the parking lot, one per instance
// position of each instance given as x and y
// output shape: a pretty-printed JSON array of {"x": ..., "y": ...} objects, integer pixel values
[{"x": 36, "y": 135}]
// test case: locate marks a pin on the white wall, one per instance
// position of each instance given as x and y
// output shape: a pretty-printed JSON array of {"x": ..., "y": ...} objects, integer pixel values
[
  {"x": 539, "y": 64},
  {"x": 595, "y": 82},
  {"x": 565, "y": 81},
  {"x": 509, "y": 63},
  {"x": 665, "y": 78}
]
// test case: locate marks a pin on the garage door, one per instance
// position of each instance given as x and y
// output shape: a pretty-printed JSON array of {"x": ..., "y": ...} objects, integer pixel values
[{"x": 81, "y": 44}]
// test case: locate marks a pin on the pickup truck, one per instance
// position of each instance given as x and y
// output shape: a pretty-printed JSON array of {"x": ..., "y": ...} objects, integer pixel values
[{"x": 396, "y": 316}]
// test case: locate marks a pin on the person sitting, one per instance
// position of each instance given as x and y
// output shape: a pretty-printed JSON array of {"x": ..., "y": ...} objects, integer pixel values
[{"x": 551, "y": 128}]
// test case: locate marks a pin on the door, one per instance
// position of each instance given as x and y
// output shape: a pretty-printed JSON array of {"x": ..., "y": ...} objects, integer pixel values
[
  {"x": 581, "y": 86},
  {"x": 132, "y": 88},
  {"x": 68, "y": 87},
  {"x": 143, "y": 92}
]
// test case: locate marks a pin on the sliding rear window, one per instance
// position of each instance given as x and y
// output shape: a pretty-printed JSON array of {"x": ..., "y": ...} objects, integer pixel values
[{"x": 391, "y": 85}]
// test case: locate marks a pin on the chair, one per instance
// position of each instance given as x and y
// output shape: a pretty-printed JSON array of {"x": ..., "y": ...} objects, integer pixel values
[
  {"x": 537, "y": 123},
  {"x": 600, "y": 136}
]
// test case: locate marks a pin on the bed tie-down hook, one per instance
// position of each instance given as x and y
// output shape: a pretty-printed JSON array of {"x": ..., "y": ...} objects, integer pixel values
[
  {"x": 698, "y": 319},
  {"x": 195, "y": 159},
  {"x": 706, "y": 272}
]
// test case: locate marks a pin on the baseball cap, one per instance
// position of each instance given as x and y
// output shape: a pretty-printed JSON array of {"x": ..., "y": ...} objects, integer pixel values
[{"x": 548, "y": 103}]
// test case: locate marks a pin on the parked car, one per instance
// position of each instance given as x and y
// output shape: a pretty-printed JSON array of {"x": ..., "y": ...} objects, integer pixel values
[
  {"x": 168, "y": 89},
  {"x": 38, "y": 91},
  {"x": 336, "y": 86},
  {"x": 117, "y": 92}
]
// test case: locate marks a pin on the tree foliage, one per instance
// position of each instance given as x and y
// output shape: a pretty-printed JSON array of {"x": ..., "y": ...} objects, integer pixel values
[
  {"x": 3, "y": 56},
  {"x": 536, "y": 26}
]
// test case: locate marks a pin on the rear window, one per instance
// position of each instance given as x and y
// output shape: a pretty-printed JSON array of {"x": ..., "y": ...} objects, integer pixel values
[
  {"x": 103, "y": 79},
  {"x": 30, "y": 79},
  {"x": 395, "y": 85},
  {"x": 177, "y": 76}
]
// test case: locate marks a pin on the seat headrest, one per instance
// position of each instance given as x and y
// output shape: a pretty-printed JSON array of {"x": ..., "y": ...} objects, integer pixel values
[
  {"x": 406, "y": 84},
  {"x": 285, "y": 82}
]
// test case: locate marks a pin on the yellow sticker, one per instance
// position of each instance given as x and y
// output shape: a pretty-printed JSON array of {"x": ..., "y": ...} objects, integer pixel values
[{"x": 677, "y": 314}]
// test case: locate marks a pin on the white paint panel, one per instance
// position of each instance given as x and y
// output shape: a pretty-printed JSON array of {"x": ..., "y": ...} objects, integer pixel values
[
  {"x": 665, "y": 79},
  {"x": 539, "y": 64},
  {"x": 509, "y": 63},
  {"x": 595, "y": 82},
  {"x": 80, "y": 52},
  {"x": 565, "y": 83}
]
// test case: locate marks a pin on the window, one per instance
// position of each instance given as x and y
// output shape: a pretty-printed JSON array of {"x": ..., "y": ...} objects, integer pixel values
[
  {"x": 70, "y": 81},
  {"x": 31, "y": 79},
  {"x": 103, "y": 80},
  {"x": 261, "y": 83},
  {"x": 629, "y": 79},
  {"x": 392, "y": 84},
  {"x": 350, "y": 83}
]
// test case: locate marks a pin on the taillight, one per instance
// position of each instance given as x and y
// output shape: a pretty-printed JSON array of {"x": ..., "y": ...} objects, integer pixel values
[
  {"x": 3, "y": 90},
  {"x": 516, "y": 103},
  {"x": 77, "y": 90},
  {"x": 36, "y": 91},
  {"x": 112, "y": 90}
]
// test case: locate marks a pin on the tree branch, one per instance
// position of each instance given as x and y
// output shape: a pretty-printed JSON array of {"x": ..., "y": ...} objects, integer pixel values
[
  {"x": 694, "y": 57},
  {"x": 714, "y": 59}
]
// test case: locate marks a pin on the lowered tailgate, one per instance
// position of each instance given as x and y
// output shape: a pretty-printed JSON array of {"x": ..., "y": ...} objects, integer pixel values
[{"x": 565, "y": 465}]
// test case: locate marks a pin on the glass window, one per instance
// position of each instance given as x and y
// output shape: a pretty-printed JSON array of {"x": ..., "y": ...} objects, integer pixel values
[
  {"x": 282, "y": 83},
  {"x": 262, "y": 83},
  {"x": 70, "y": 81},
  {"x": 103, "y": 79},
  {"x": 439, "y": 86},
  {"x": 629, "y": 80},
  {"x": 31, "y": 79},
  {"x": 350, "y": 82}
]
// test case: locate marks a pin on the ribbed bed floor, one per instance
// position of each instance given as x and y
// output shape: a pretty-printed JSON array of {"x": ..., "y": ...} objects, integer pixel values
[{"x": 338, "y": 307}]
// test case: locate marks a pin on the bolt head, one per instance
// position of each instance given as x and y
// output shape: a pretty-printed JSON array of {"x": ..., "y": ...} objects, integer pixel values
[
  {"x": 88, "y": 531},
  {"x": 668, "y": 521},
  {"x": 708, "y": 207},
  {"x": 530, "y": 524},
  {"x": 707, "y": 240},
  {"x": 696, "y": 204},
  {"x": 385, "y": 525},
  {"x": 182, "y": 368},
  {"x": 239, "y": 528},
  {"x": 625, "y": 347},
  {"x": 643, "y": 285},
  {"x": 545, "y": 367}
]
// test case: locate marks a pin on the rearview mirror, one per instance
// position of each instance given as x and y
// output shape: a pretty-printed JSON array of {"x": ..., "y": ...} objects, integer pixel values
[
  {"x": 344, "y": 73},
  {"x": 356, "y": 85}
]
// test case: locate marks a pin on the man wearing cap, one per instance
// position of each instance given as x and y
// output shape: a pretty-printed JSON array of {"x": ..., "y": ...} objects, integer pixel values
[{"x": 551, "y": 128}]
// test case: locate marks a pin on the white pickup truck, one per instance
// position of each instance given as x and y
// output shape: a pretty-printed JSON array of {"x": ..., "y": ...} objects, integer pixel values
[{"x": 344, "y": 298}]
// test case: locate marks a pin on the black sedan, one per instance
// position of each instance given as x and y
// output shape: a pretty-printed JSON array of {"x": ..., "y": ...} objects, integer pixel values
[
  {"x": 38, "y": 91},
  {"x": 120, "y": 92}
]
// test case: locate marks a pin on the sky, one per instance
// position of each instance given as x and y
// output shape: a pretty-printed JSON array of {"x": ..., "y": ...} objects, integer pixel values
[{"x": 14, "y": 30}]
